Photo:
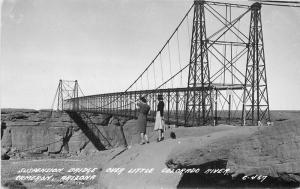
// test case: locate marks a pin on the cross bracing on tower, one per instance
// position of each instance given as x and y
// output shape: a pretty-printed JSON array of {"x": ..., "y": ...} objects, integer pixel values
[{"x": 211, "y": 70}]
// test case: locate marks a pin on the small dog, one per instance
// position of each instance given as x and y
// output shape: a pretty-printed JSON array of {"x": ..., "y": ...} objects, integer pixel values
[{"x": 173, "y": 135}]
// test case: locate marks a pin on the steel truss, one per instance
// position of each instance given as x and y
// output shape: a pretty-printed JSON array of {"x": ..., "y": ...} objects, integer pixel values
[
  {"x": 256, "y": 101},
  {"x": 67, "y": 90},
  {"x": 198, "y": 108},
  {"x": 119, "y": 104},
  {"x": 241, "y": 97}
]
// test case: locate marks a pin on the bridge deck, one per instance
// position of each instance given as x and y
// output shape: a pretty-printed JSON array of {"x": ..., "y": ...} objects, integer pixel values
[{"x": 119, "y": 104}]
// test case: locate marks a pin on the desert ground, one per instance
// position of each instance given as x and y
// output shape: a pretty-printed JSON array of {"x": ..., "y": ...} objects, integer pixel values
[{"x": 209, "y": 156}]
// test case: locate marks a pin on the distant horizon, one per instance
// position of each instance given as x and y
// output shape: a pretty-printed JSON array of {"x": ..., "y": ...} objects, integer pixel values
[
  {"x": 105, "y": 45},
  {"x": 121, "y": 116}
]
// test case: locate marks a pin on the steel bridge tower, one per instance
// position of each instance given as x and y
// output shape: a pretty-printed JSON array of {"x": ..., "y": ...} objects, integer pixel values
[
  {"x": 198, "y": 103},
  {"x": 67, "y": 90},
  {"x": 198, "y": 110},
  {"x": 255, "y": 98}
]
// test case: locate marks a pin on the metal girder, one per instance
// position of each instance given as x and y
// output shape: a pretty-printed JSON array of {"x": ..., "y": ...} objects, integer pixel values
[
  {"x": 256, "y": 101},
  {"x": 119, "y": 104},
  {"x": 203, "y": 101},
  {"x": 198, "y": 108},
  {"x": 67, "y": 89}
]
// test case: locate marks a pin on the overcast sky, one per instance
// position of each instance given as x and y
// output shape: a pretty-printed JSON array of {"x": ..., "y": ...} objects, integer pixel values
[{"x": 105, "y": 44}]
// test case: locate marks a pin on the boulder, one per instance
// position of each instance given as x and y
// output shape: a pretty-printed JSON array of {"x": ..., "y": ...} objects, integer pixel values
[
  {"x": 273, "y": 152},
  {"x": 213, "y": 151},
  {"x": 131, "y": 131},
  {"x": 113, "y": 135}
]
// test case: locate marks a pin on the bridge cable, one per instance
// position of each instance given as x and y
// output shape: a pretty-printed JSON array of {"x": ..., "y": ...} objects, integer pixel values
[
  {"x": 148, "y": 79},
  {"x": 187, "y": 64},
  {"x": 136, "y": 88},
  {"x": 158, "y": 86},
  {"x": 161, "y": 84},
  {"x": 163, "y": 46},
  {"x": 159, "y": 54},
  {"x": 189, "y": 34},
  {"x": 154, "y": 76},
  {"x": 161, "y": 69},
  {"x": 170, "y": 64},
  {"x": 141, "y": 82},
  {"x": 179, "y": 58}
]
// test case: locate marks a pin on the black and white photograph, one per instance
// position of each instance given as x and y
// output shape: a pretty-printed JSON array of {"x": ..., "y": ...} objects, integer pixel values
[{"x": 153, "y": 94}]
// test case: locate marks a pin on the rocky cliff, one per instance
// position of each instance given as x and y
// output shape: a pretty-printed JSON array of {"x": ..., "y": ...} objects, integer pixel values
[
  {"x": 268, "y": 157},
  {"x": 25, "y": 132}
]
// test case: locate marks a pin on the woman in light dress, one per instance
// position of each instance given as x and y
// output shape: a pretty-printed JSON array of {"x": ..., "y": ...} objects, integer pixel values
[{"x": 159, "y": 122}]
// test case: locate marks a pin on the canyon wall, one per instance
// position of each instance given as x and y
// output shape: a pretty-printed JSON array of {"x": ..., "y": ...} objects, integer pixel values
[{"x": 25, "y": 131}]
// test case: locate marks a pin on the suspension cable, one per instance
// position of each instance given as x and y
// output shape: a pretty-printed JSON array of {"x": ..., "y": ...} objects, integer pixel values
[
  {"x": 161, "y": 69},
  {"x": 148, "y": 79},
  {"x": 188, "y": 30},
  {"x": 179, "y": 58},
  {"x": 141, "y": 79},
  {"x": 162, "y": 47},
  {"x": 154, "y": 75},
  {"x": 159, "y": 85},
  {"x": 170, "y": 63},
  {"x": 159, "y": 53}
]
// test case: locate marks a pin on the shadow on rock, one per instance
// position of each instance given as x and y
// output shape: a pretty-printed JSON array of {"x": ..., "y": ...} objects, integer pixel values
[{"x": 215, "y": 175}]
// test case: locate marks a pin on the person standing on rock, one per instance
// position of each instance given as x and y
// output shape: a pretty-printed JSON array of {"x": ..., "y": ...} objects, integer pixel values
[
  {"x": 159, "y": 124},
  {"x": 144, "y": 109}
]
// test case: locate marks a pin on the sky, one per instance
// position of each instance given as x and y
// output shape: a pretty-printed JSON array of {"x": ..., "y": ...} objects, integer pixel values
[{"x": 105, "y": 44}]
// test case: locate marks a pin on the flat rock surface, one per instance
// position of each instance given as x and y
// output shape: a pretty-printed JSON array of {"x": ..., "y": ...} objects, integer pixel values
[
  {"x": 274, "y": 151},
  {"x": 154, "y": 156},
  {"x": 210, "y": 148}
]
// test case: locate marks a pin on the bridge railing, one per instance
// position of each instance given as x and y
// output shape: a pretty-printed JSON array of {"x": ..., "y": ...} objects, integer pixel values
[{"x": 120, "y": 104}]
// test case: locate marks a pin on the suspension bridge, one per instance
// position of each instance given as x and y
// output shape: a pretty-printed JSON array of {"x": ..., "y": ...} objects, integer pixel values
[{"x": 211, "y": 70}]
